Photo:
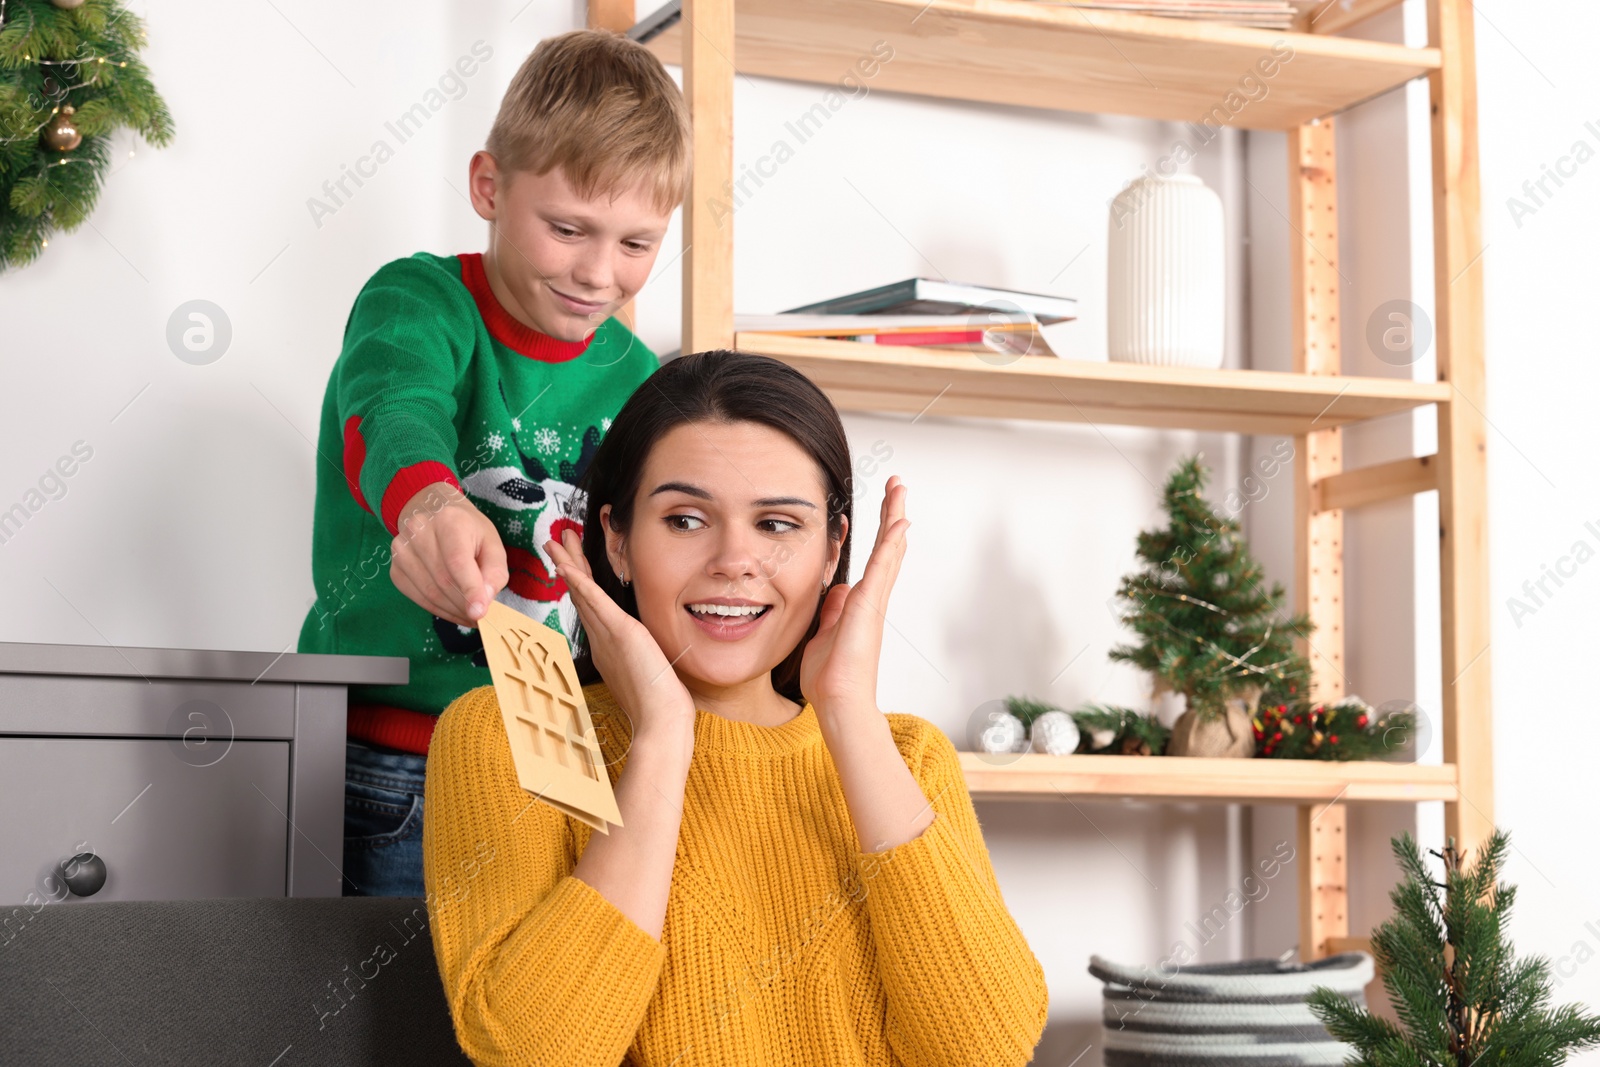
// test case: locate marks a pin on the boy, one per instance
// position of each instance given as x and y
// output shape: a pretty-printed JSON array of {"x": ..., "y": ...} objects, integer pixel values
[{"x": 469, "y": 395}]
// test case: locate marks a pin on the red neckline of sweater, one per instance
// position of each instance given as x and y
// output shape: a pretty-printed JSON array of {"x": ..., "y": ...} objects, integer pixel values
[{"x": 505, "y": 327}]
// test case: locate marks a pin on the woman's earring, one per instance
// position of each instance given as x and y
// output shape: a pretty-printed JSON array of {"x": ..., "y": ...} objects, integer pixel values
[{"x": 623, "y": 580}]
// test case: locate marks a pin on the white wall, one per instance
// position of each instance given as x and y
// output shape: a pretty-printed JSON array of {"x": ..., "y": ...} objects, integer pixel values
[
  {"x": 1539, "y": 91},
  {"x": 201, "y": 481},
  {"x": 1537, "y": 86}
]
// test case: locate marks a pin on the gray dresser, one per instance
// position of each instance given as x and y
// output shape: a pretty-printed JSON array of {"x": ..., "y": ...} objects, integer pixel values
[{"x": 165, "y": 774}]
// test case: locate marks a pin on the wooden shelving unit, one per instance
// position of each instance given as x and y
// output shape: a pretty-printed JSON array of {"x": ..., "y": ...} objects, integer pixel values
[
  {"x": 1017, "y": 52},
  {"x": 864, "y": 377},
  {"x": 1033, "y": 777}
]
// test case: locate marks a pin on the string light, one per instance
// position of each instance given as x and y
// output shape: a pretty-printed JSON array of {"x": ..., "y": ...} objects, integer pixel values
[
  {"x": 78, "y": 61},
  {"x": 51, "y": 101}
]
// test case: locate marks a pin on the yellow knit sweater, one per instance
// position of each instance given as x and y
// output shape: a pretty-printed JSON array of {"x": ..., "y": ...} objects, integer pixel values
[{"x": 783, "y": 944}]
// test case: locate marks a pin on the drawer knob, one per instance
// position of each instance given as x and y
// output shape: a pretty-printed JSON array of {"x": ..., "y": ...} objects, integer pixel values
[{"x": 84, "y": 873}]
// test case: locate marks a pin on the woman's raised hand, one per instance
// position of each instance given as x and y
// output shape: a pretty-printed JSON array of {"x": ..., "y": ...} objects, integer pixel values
[
  {"x": 624, "y": 651},
  {"x": 839, "y": 668}
]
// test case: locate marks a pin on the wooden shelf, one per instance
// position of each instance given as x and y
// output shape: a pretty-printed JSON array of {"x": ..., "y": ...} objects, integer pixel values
[
  {"x": 865, "y": 377},
  {"x": 1031, "y": 776},
  {"x": 1039, "y": 55}
]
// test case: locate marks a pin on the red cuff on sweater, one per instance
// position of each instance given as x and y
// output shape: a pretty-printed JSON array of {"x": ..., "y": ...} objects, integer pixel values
[{"x": 407, "y": 483}]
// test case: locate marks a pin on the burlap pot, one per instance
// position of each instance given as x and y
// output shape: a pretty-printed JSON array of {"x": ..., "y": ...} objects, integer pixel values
[{"x": 1226, "y": 733}]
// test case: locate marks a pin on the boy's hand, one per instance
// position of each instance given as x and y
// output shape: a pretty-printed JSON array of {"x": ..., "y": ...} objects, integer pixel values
[{"x": 448, "y": 556}]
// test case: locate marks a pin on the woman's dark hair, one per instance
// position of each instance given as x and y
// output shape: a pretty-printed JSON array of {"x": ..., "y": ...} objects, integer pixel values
[{"x": 714, "y": 386}]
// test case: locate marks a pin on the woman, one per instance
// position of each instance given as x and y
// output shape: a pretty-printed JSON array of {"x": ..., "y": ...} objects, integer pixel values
[{"x": 799, "y": 878}]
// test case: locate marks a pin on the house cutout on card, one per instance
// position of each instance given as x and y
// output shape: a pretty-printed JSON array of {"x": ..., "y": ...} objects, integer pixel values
[{"x": 553, "y": 742}]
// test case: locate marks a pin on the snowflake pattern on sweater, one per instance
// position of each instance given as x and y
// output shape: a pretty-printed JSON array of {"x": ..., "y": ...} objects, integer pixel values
[{"x": 531, "y": 499}]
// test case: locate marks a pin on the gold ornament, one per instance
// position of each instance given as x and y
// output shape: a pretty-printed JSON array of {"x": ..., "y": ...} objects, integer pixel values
[
  {"x": 60, "y": 133},
  {"x": 67, "y": 5}
]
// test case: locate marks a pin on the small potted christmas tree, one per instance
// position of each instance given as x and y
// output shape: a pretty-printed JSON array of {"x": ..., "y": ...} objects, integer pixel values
[
  {"x": 1208, "y": 629},
  {"x": 1450, "y": 972}
]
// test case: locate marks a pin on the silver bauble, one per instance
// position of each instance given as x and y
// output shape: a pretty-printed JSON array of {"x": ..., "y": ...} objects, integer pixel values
[
  {"x": 1055, "y": 733},
  {"x": 1003, "y": 733}
]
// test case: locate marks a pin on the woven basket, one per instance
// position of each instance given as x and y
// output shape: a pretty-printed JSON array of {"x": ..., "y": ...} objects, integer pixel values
[{"x": 1252, "y": 1013}]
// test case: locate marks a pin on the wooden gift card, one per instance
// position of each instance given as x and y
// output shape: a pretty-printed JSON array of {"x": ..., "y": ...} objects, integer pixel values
[{"x": 553, "y": 742}]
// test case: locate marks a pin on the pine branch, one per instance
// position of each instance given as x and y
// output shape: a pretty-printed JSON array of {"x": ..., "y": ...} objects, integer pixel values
[
  {"x": 1381, "y": 1043},
  {"x": 50, "y": 59},
  {"x": 1461, "y": 996},
  {"x": 1132, "y": 732},
  {"x": 1027, "y": 709}
]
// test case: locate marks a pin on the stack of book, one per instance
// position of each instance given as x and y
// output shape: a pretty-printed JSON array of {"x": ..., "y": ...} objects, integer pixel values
[
  {"x": 1267, "y": 14},
  {"x": 928, "y": 313}
]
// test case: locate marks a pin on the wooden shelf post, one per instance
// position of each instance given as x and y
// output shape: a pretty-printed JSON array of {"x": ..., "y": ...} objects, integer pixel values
[
  {"x": 1463, "y": 469},
  {"x": 1314, "y": 318},
  {"x": 616, "y": 15},
  {"x": 708, "y": 72},
  {"x": 1318, "y": 534},
  {"x": 1324, "y": 897}
]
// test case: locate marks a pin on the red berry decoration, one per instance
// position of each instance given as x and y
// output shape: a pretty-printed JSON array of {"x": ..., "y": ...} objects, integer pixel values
[{"x": 1333, "y": 739}]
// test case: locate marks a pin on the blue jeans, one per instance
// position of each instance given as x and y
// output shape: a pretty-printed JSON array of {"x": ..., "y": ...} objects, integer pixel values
[{"x": 382, "y": 822}]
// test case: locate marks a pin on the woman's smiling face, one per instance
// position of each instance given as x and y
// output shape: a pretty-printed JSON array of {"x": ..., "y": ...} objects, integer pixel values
[{"x": 726, "y": 512}]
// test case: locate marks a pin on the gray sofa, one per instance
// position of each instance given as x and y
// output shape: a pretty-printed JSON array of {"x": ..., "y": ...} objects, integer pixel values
[{"x": 260, "y": 981}]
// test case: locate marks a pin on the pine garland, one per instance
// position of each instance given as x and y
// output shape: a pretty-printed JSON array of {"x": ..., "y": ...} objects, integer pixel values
[
  {"x": 1349, "y": 729},
  {"x": 1102, "y": 728},
  {"x": 1461, "y": 996},
  {"x": 1132, "y": 733},
  {"x": 52, "y": 58},
  {"x": 1207, "y": 627}
]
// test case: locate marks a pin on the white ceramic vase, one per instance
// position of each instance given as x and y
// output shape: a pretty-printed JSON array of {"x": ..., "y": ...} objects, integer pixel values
[{"x": 1165, "y": 284}]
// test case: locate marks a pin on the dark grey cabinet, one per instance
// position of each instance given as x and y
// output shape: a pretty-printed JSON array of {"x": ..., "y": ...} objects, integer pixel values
[
  {"x": 160, "y": 774},
  {"x": 162, "y": 828}
]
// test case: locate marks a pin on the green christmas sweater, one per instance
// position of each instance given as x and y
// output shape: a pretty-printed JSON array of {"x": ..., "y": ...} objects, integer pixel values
[{"x": 438, "y": 382}]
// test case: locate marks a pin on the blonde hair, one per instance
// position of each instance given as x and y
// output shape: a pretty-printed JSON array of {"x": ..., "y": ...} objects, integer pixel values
[{"x": 602, "y": 108}]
